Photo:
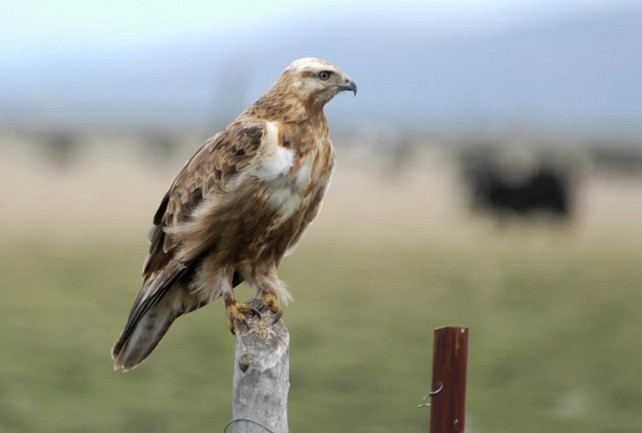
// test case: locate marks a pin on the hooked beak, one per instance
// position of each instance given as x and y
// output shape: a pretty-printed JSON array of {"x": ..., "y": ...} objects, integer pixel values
[{"x": 349, "y": 85}]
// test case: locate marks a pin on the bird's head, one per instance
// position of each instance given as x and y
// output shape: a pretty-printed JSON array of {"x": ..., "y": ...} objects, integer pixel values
[{"x": 316, "y": 81}]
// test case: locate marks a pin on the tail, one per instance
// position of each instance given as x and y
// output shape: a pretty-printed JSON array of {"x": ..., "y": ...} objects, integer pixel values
[{"x": 148, "y": 322}]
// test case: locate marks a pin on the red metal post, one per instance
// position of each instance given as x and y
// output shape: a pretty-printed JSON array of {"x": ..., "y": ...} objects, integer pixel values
[{"x": 448, "y": 405}]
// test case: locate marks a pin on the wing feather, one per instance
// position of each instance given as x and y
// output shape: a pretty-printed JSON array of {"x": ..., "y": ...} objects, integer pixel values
[{"x": 205, "y": 179}]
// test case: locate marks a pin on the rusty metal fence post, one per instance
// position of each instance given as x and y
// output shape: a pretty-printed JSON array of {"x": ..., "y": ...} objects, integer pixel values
[{"x": 448, "y": 405}]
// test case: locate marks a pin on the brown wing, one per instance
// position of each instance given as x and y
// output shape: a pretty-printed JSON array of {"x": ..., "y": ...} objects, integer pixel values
[{"x": 206, "y": 176}]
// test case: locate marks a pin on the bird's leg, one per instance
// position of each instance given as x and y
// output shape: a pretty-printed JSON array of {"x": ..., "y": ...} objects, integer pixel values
[
  {"x": 271, "y": 292},
  {"x": 270, "y": 301},
  {"x": 238, "y": 313}
]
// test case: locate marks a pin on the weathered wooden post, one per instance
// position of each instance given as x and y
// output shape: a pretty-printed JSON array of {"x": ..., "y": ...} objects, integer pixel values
[
  {"x": 448, "y": 405},
  {"x": 261, "y": 376}
]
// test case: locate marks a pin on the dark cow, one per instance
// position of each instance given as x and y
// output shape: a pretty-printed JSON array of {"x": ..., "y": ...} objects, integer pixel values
[{"x": 543, "y": 189}]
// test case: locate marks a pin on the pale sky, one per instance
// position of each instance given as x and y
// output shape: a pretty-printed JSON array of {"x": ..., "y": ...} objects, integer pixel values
[{"x": 37, "y": 24}]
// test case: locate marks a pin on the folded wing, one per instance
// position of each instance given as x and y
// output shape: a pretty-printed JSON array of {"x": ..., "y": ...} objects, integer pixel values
[{"x": 177, "y": 242}]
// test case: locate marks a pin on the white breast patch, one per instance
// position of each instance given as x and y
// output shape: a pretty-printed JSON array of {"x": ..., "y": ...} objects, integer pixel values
[
  {"x": 286, "y": 193},
  {"x": 302, "y": 176},
  {"x": 285, "y": 201},
  {"x": 285, "y": 188},
  {"x": 276, "y": 164},
  {"x": 277, "y": 160}
]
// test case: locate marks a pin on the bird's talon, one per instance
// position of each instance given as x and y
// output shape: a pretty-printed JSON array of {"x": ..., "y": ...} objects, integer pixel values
[
  {"x": 238, "y": 314},
  {"x": 255, "y": 307},
  {"x": 255, "y": 312},
  {"x": 277, "y": 317},
  {"x": 270, "y": 302}
]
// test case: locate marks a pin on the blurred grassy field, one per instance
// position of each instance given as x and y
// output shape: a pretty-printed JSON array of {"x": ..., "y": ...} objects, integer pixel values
[
  {"x": 554, "y": 316},
  {"x": 555, "y": 340}
]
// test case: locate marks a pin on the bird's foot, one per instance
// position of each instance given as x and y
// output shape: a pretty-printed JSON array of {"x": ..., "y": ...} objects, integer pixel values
[
  {"x": 268, "y": 301},
  {"x": 238, "y": 313}
]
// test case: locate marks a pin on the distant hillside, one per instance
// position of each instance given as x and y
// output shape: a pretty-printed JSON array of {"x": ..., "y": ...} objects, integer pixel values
[{"x": 573, "y": 74}]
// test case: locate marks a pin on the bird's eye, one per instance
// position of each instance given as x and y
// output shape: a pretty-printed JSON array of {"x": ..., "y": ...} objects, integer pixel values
[{"x": 324, "y": 75}]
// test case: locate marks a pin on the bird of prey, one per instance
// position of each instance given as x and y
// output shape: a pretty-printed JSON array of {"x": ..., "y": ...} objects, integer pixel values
[{"x": 239, "y": 205}]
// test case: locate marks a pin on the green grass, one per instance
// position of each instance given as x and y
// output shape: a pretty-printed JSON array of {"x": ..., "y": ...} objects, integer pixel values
[{"x": 555, "y": 338}]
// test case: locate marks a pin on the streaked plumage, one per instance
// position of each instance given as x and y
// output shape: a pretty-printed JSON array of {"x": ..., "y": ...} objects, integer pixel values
[{"x": 237, "y": 207}]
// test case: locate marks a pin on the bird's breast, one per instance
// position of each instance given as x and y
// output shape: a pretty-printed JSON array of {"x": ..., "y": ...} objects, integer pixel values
[
  {"x": 286, "y": 193},
  {"x": 276, "y": 161},
  {"x": 291, "y": 167}
]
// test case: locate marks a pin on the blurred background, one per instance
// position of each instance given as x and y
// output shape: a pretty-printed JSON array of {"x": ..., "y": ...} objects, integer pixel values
[{"x": 489, "y": 175}]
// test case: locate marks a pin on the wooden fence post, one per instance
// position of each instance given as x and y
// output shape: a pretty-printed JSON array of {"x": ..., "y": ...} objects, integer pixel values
[
  {"x": 448, "y": 405},
  {"x": 261, "y": 376}
]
